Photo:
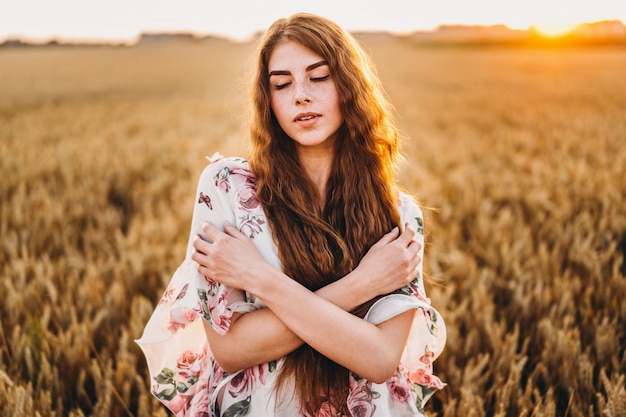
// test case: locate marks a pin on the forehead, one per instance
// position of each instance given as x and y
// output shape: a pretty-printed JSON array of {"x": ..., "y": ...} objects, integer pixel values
[{"x": 289, "y": 56}]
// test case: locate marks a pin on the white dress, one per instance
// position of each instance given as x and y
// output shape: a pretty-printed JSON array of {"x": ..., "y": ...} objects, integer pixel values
[{"x": 186, "y": 378}]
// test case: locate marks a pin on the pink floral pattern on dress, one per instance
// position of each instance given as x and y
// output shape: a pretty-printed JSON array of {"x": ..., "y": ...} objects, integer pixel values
[
  {"x": 247, "y": 199},
  {"x": 251, "y": 225},
  {"x": 244, "y": 383},
  {"x": 215, "y": 310},
  {"x": 361, "y": 399},
  {"x": 424, "y": 376},
  {"x": 187, "y": 378},
  {"x": 181, "y": 388},
  {"x": 398, "y": 389}
]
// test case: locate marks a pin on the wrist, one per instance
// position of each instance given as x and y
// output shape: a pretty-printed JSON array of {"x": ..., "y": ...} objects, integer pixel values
[
  {"x": 266, "y": 281},
  {"x": 349, "y": 292},
  {"x": 360, "y": 285}
]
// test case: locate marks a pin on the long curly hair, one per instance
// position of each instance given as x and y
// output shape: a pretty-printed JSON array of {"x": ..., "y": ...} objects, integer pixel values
[{"x": 318, "y": 243}]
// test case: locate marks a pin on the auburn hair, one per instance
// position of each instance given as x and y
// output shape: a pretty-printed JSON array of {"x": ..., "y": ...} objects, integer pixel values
[{"x": 320, "y": 243}]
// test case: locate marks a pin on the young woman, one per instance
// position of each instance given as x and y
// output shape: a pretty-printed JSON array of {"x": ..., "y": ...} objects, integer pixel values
[{"x": 301, "y": 293}]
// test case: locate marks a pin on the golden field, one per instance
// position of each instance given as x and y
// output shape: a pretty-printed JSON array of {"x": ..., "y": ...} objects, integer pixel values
[{"x": 518, "y": 155}]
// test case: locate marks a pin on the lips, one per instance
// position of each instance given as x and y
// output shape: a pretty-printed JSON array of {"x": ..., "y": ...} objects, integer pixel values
[{"x": 304, "y": 117}]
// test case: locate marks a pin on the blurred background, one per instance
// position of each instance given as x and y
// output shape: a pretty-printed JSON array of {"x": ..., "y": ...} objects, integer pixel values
[
  {"x": 122, "y": 21},
  {"x": 513, "y": 130}
]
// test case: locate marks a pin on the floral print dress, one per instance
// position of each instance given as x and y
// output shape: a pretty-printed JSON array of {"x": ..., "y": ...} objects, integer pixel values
[{"x": 186, "y": 378}]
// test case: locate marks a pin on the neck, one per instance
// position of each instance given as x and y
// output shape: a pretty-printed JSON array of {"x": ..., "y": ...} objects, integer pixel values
[{"x": 317, "y": 166}]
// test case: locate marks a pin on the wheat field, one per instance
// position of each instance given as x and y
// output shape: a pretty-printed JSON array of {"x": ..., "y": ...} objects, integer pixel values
[{"x": 518, "y": 156}]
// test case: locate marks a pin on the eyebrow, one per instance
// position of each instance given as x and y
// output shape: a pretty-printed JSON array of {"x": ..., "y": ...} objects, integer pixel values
[{"x": 309, "y": 68}]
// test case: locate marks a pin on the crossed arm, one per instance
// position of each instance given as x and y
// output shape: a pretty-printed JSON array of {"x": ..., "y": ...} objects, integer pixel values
[{"x": 370, "y": 351}]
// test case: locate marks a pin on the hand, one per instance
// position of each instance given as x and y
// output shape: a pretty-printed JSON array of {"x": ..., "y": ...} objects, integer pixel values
[
  {"x": 392, "y": 262},
  {"x": 231, "y": 258}
]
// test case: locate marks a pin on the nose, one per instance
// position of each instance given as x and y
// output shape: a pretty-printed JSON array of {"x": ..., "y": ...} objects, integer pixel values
[{"x": 301, "y": 94}]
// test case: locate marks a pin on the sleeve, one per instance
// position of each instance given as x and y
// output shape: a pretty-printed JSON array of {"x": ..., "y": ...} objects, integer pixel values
[
  {"x": 209, "y": 299},
  {"x": 174, "y": 340},
  {"x": 427, "y": 336}
]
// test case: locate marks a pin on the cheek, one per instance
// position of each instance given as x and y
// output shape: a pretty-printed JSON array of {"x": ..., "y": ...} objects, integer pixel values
[
  {"x": 278, "y": 110},
  {"x": 333, "y": 98},
  {"x": 334, "y": 105}
]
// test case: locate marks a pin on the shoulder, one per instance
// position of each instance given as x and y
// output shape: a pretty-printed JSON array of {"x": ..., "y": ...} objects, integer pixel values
[
  {"x": 222, "y": 171},
  {"x": 408, "y": 206},
  {"x": 218, "y": 163},
  {"x": 410, "y": 211}
]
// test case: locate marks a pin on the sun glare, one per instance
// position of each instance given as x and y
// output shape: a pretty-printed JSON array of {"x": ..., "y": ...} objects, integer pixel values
[{"x": 554, "y": 31}]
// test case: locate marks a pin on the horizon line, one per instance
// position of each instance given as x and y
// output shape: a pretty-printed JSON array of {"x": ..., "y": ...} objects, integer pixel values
[{"x": 134, "y": 39}]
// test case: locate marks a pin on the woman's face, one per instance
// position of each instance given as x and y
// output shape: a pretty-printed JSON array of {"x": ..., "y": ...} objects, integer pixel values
[{"x": 304, "y": 96}]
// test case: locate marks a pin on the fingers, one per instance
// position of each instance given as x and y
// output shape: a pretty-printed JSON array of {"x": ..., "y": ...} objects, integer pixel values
[
  {"x": 202, "y": 260},
  {"x": 211, "y": 231},
  {"x": 198, "y": 257},
  {"x": 407, "y": 235},
  {"x": 389, "y": 237},
  {"x": 405, "y": 239},
  {"x": 231, "y": 230},
  {"x": 201, "y": 245},
  {"x": 214, "y": 234},
  {"x": 215, "y": 242}
]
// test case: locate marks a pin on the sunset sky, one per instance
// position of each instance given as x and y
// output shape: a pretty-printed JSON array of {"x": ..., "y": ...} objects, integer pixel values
[{"x": 124, "y": 20}]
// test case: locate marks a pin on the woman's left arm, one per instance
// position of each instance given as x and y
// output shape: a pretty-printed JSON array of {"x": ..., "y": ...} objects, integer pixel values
[{"x": 372, "y": 352}]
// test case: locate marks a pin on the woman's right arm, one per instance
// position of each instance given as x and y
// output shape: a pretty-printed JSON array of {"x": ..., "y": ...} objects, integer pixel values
[{"x": 260, "y": 336}]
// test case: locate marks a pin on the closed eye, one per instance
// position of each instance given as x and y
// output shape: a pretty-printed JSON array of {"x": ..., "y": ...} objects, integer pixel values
[
  {"x": 324, "y": 78},
  {"x": 281, "y": 86}
]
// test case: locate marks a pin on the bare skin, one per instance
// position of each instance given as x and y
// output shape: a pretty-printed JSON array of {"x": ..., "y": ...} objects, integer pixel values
[{"x": 268, "y": 334}]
